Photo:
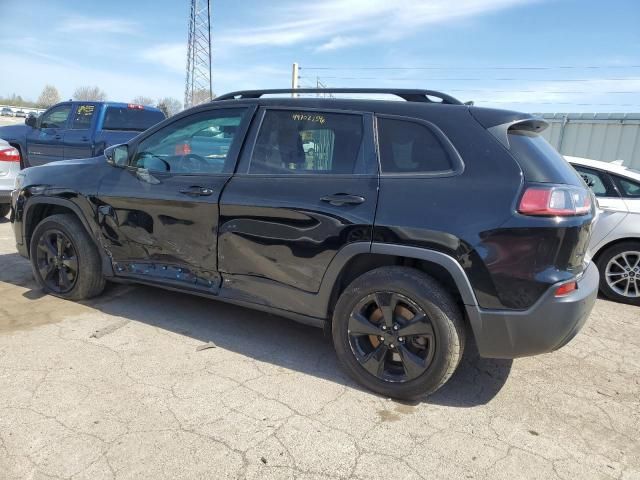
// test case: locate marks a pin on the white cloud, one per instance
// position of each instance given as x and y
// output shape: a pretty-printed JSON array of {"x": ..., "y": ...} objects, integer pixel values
[
  {"x": 338, "y": 42},
  {"x": 595, "y": 94},
  {"x": 338, "y": 24},
  {"x": 79, "y": 23},
  {"x": 170, "y": 55}
]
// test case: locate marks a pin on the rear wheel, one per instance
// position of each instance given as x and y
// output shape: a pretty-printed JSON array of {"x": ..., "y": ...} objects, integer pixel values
[
  {"x": 398, "y": 332},
  {"x": 619, "y": 268},
  {"x": 64, "y": 259},
  {"x": 5, "y": 208}
]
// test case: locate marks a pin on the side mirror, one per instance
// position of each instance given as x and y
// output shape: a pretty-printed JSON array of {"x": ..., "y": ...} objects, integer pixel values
[
  {"x": 31, "y": 121},
  {"x": 117, "y": 155}
]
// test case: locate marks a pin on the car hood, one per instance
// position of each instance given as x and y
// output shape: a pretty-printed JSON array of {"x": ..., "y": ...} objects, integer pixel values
[
  {"x": 81, "y": 175},
  {"x": 12, "y": 133}
]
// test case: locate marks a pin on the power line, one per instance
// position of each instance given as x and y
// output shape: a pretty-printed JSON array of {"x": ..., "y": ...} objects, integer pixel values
[
  {"x": 441, "y": 67},
  {"x": 469, "y": 79},
  {"x": 561, "y": 103}
]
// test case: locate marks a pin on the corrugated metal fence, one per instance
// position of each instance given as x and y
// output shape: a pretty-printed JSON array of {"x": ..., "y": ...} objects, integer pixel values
[{"x": 599, "y": 136}]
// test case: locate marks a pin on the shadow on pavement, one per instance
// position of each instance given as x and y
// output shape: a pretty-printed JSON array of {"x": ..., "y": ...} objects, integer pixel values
[{"x": 261, "y": 336}]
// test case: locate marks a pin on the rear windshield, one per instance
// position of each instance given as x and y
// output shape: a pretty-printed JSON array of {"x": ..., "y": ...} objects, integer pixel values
[
  {"x": 131, "y": 119},
  {"x": 540, "y": 162}
]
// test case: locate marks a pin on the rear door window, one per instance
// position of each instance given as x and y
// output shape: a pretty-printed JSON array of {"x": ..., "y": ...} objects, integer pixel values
[
  {"x": 296, "y": 142},
  {"x": 412, "y": 147},
  {"x": 130, "y": 118},
  {"x": 83, "y": 116}
]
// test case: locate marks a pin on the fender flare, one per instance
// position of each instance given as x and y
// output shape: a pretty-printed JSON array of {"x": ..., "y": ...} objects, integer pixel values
[
  {"x": 451, "y": 265},
  {"x": 447, "y": 262},
  {"x": 92, "y": 229}
]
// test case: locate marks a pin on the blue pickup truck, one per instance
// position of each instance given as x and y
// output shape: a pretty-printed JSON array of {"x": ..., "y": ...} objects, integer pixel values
[{"x": 78, "y": 130}]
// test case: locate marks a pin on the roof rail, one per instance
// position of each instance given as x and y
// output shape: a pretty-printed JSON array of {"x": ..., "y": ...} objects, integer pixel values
[{"x": 410, "y": 95}]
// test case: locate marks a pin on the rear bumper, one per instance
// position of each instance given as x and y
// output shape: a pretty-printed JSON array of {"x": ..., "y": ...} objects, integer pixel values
[
  {"x": 548, "y": 325},
  {"x": 5, "y": 196}
]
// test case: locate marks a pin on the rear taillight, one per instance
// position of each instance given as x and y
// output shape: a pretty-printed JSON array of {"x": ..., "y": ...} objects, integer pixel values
[
  {"x": 9, "y": 155},
  {"x": 555, "y": 201},
  {"x": 133, "y": 106}
]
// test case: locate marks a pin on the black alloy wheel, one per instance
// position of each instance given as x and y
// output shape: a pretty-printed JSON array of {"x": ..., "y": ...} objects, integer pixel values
[
  {"x": 57, "y": 261},
  {"x": 391, "y": 336}
]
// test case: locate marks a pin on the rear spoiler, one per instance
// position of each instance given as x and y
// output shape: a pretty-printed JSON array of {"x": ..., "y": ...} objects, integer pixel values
[{"x": 500, "y": 122}]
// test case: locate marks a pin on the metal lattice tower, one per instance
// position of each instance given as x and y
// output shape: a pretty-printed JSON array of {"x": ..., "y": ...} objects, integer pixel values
[{"x": 198, "y": 87}]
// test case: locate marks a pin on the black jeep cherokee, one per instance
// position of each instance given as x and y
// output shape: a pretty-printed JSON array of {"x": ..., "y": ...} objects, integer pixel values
[{"x": 400, "y": 226}]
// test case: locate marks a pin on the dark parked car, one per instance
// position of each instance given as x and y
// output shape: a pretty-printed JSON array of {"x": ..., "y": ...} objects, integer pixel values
[
  {"x": 77, "y": 130},
  {"x": 414, "y": 225}
]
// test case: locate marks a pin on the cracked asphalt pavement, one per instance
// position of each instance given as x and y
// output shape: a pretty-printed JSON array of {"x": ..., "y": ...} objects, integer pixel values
[{"x": 117, "y": 388}]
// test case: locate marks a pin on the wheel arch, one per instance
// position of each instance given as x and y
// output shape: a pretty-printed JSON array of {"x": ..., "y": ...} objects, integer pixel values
[
  {"x": 39, "y": 208},
  {"x": 444, "y": 268},
  {"x": 437, "y": 264},
  {"x": 21, "y": 151},
  {"x": 613, "y": 243}
]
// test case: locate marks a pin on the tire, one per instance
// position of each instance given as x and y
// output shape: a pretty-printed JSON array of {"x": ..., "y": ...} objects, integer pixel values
[
  {"x": 5, "y": 208},
  {"x": 74, "y": 258},
  {"x": 413, "y": 293},
  {"x": 615, "y": 262}
]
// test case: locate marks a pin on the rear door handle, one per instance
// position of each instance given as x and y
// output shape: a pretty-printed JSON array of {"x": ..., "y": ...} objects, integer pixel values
[
  {"x": 339, "y": 199},
  {"x": 196, "y": 191}
]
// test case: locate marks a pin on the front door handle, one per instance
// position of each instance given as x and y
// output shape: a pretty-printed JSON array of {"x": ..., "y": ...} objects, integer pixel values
[
  {"x": 196, "y": 191},
  {"x": 58, "y": 137},
  {"x": 339, "y": 199}
]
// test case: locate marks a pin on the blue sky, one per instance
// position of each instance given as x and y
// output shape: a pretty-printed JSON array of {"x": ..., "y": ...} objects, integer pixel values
[{"x": 467, "y": 48}]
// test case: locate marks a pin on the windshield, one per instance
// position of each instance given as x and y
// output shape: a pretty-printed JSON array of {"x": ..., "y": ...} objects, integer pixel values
[{"x": 133, "y": 119}]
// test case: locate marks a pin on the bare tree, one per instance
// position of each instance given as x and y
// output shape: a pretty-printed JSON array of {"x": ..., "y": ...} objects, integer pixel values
[
  {"x": 169, "y": 106},
  {"x": 48, "y": 97},
  {"x": 86, "y": 94},
  {"x": 142, "y": 100}
]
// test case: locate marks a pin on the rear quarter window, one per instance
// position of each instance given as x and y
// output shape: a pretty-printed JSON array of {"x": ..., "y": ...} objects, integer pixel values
[
  {"x": 130, "y": 119},
  {"x": 408, "y": 146},
  {"x": 628, "y": 188},
  {"x": 539, "y": 161}
]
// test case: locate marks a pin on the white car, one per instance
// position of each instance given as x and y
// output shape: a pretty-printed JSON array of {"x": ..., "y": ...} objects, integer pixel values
[
  {"x": 615, "y": 240},
  {"x": 9, "y": 168}
]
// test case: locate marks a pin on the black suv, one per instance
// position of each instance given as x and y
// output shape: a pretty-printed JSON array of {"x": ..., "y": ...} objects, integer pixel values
[{"x": 399, "y": 226}]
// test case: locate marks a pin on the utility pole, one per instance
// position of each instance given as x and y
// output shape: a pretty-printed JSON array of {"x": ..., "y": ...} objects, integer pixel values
[
  {"x": 294, "y": 78},
  {"x": 198, "y": 86}
]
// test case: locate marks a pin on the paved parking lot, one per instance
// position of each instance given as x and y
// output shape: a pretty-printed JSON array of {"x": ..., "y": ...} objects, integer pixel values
[{"x": 118, "y": 388}]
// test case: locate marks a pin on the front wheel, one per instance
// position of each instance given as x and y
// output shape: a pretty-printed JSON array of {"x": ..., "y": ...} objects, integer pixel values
[
  {"x": 398, "y": 332},
  {"x": 64, "y": 259},
  {"x": 619, "y": 268}
]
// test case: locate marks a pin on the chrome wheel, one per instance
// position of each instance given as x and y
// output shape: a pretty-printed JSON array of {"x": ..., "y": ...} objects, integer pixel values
[
  {"x": 622, "y": 274},
  {"x": 391, "y": 337}
]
